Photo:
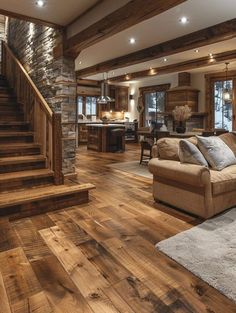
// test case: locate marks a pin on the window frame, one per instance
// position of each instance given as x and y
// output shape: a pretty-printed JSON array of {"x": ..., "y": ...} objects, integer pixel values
[
  {"x": 84, "y": 105},
  {"x": 210, "y": 80},
  {"x": 151, "y": 89}
]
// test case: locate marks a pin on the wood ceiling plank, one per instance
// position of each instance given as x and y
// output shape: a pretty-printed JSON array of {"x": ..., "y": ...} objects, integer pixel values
[
  {"x": 128, "y": 15},
  {"x": 178, "y": 67},
  {"x": 210, "y": 35}
]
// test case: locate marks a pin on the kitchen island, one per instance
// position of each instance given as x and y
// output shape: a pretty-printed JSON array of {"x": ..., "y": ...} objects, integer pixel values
[{"x": 106, "y": 137}]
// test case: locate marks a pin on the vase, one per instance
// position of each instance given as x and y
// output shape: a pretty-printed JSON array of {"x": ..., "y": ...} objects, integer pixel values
[{"x": 180, "y": 128}]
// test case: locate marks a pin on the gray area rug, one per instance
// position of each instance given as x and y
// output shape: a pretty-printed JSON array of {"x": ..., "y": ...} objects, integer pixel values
[
  {"x": 132, "y": 167},
  {"x": 209, "y": 251}
]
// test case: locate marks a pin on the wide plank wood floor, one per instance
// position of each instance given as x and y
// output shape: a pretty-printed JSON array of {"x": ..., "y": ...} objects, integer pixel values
[{"x": 100, "y": 257}]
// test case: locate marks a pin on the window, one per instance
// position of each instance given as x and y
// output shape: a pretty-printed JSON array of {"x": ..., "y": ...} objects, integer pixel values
[
  {"x": 153, "y": 100},
  {"x": 87, "y": 105},
  {"x": 91, "y": 105},
  {"x": 154, "y": 103},
  {"x": 222, "y": 109}
]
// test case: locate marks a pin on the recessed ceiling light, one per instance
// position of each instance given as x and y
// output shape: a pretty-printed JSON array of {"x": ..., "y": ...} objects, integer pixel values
[
  {"x": 183, "y": 20},
  {"x": 40, "y": 3},
  {"x": 196, "y": 50},
  {"x": 80, "y": 62},
  {"x": 132, "y": 41},
  {"x": 210, "y": 55},
  {"x": 165, "y": 60}
]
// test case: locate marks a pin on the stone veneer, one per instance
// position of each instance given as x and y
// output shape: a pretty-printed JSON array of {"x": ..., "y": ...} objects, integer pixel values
[{"x": 55, "y": 78}]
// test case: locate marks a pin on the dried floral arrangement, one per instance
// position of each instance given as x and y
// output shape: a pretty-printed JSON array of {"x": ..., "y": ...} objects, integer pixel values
[{"x": 182, "y": 113}]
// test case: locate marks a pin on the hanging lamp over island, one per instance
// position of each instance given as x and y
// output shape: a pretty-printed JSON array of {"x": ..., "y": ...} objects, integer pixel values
[{"x": 105, "y": 98}]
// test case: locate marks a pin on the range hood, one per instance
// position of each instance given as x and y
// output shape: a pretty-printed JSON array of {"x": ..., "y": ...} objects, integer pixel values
[{"x": 105, "y": 98}]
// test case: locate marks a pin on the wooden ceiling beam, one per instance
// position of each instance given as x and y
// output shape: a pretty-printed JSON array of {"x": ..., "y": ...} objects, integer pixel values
[
  {"x": 213, "y": 34},
  {"x": 30, "y": 19},
  {"x": 178, "y": 67},
  {"x": 129, "y": 15}
]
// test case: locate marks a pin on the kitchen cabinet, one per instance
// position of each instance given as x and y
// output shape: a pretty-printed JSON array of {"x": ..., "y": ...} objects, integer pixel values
[{"x": 121, "y": 96}]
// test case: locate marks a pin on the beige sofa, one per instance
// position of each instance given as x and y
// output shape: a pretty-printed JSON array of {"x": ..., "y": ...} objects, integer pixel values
[{"x": 192, "y": 188}]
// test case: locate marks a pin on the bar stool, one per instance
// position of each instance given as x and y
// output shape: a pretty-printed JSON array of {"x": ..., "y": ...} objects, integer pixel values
[{"x": 146, "y": 151}]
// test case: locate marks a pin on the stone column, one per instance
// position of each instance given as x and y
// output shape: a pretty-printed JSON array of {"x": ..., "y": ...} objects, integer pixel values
[{"x": 65, "y": 102}]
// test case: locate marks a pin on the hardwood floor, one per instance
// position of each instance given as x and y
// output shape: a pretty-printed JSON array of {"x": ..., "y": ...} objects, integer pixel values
[{"x": 100, "y": 257}]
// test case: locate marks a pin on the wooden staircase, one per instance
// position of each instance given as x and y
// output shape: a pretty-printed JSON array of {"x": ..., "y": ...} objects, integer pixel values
[{"x": 26, "y": 180}]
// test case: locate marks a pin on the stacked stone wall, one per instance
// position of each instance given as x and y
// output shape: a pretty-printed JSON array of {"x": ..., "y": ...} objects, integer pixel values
[{"x": 55, "y": 78}]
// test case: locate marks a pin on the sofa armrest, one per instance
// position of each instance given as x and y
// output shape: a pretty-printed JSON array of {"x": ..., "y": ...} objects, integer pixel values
[
  {"x": 155, "y": 151},
  {"x": 191, "y": 174}
]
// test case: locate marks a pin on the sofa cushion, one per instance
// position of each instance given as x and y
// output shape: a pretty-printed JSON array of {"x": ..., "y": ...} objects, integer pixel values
[
  {"x": 168, "y": 148},
  {"x": 216, "y": 152},
  {"x": 189, "y": 153},
  {"x": 223, "y": 181},
  {"x": 230, "y": 140}
]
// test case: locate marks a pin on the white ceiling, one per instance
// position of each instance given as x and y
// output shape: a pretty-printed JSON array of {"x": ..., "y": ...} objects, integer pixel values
[
  {"x": 201, "y": 14},
  {"x": 56, "y": 11},
  {"x": 173, "y": 59}
]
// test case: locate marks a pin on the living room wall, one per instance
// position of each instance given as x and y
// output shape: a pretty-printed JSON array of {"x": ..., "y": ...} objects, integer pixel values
[
  {"x": 197, "y": 81},
  {"x": 55, "y": 78}
]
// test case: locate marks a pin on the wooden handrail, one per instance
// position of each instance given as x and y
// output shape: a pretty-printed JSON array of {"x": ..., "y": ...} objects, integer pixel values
[
  {"x": 35, "y": 89},
  {"x": 45, "y": 124}
]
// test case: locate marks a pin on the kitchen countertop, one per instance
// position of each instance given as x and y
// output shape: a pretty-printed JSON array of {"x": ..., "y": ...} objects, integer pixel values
[
  {"x": 100, "y": 122},
  {"x": 106, "y": 125}
]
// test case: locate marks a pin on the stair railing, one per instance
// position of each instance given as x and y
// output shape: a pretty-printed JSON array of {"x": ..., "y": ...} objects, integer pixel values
[{"x": 45, "y": 124}]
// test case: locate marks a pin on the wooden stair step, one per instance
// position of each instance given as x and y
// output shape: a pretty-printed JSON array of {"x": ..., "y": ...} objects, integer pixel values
[
  {"x": 23, "y": 179},
  {"x": 22, "y": 163},
  {"x": 19, "y": 149},
  {"x": 12, "y": 136},
  {"x": 12, "y": 117},
  {"x": 43, "y": 199},
  {"x": 13, "y": 126}
]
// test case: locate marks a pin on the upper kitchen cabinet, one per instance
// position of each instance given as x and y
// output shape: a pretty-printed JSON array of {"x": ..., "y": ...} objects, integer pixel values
[{"x": 121, "y": 96}]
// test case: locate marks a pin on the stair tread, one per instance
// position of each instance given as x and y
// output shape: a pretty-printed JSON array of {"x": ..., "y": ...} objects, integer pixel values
[
  {"x": 21, "y": 159},
  {"x": 14, "y": 123},
  {"x": 41, "y": 193},
  {"x": 25, "y": 174},
  {"x": 18, "y": 145},
  {"x": 15, "y": 134}
]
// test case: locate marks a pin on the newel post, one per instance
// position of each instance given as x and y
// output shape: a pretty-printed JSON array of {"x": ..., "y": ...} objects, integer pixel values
[{"x": 57, "y": 148}]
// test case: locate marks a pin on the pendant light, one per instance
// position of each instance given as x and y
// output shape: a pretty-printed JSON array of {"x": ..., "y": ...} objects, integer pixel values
[
  {"x": 105, "y": 98},
  {"x": 227, "y": 91}
]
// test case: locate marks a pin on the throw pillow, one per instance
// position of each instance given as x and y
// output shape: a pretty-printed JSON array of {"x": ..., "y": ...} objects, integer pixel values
[
  {"x": 168, "y": 148},
  {"x": 216, "y": 152},
  {"x": 230, "y": 140},
  {"x": 189, "y": 153}
]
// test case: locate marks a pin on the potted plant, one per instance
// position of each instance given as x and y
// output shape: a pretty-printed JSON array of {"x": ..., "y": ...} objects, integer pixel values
[{"x": 181, "y": 114}]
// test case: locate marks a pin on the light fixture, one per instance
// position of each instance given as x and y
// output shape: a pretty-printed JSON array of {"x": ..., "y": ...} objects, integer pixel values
[
  {"x": 183, "y": 20},
  {"x": 196, "y": 50},
  {"x": 80, "y": 62},
  {"x": 40, "y": 3},
  {"x": 227, "y": 91},
  {"x": 211, "y": 57},
  {"x": 165, "y": 60},
  {"x": 132, "y": 41},
  {"x": 104, "y": 98}
]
